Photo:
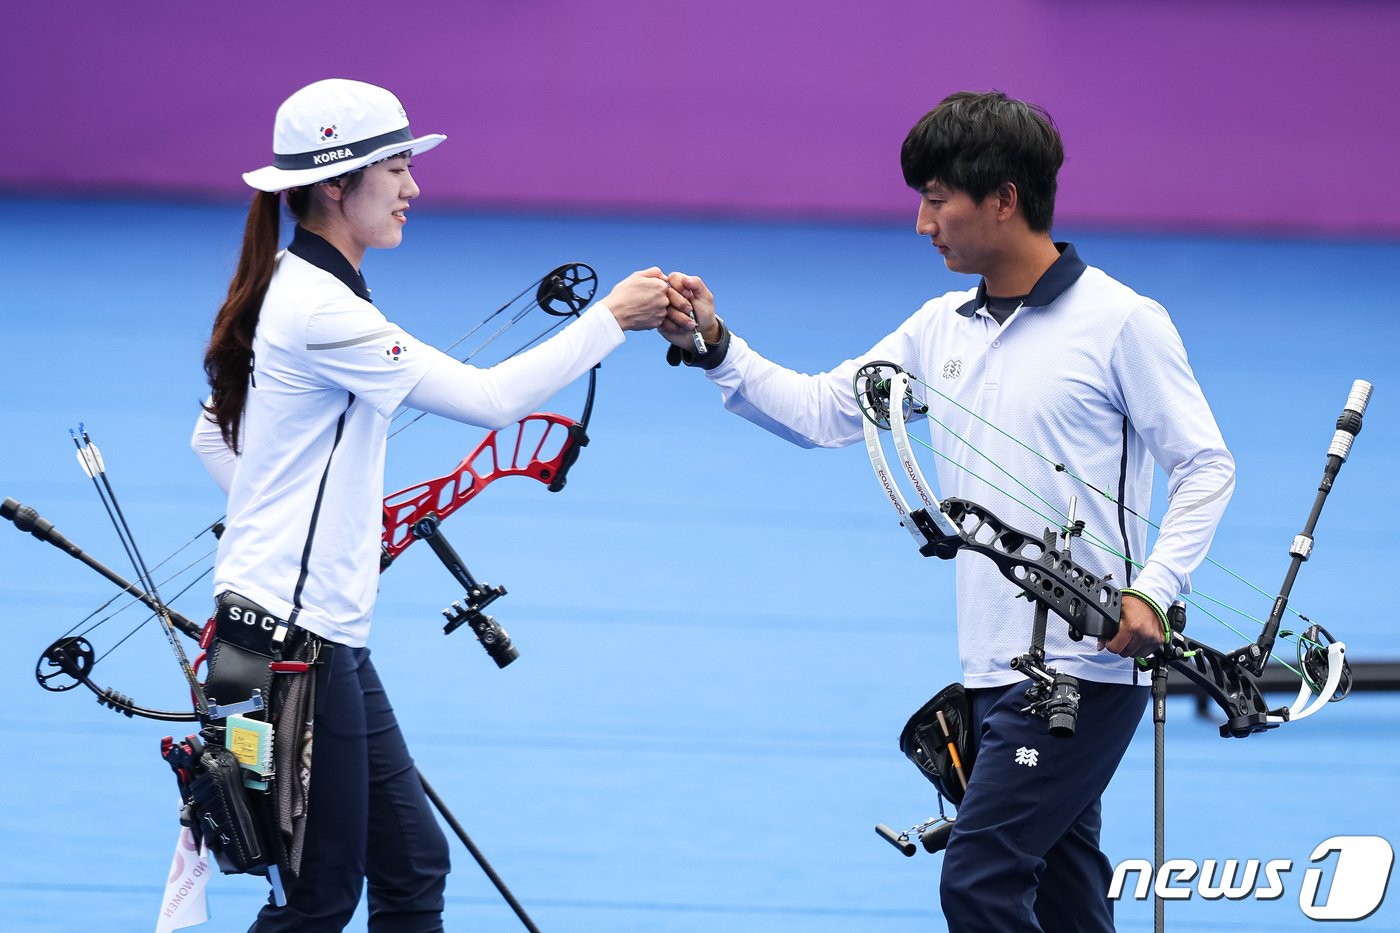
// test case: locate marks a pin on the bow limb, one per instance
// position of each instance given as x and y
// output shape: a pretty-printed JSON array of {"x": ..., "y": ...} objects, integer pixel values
[
  {"x": 73, "y": 658},
  {"x": 1088, "y": 603},
  {"x": 577, "y": 436},
  {"x": 1308, "y": 702}
]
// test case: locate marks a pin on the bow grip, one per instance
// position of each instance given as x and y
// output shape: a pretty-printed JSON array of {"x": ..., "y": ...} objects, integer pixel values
[{"x": 577, "y": 440}]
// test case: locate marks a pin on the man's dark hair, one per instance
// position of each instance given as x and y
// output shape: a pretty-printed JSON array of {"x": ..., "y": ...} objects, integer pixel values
[{"x": 976, "y": 142}]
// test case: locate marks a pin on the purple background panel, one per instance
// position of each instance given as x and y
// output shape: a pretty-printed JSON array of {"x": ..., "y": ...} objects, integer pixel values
[{"x": 1225, "y": 114}]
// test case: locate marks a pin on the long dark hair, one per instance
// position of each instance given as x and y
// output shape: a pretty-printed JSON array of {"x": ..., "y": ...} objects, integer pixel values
[
  {"x": 228, "y": 360},
  {"x": 229, "y": 356}
]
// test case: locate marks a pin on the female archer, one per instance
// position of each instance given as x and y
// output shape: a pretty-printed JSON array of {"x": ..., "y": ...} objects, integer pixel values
[{"x": 305, "y": 373}]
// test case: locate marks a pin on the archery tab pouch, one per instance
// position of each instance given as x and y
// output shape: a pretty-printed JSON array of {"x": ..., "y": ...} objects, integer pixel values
[
  {"x": 221, "y": 815},
  {"x": 936, "y": 739}
]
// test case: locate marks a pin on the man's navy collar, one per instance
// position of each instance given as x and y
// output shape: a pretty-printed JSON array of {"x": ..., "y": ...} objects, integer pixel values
[
  {"x": 321, "y": 254},
  {"x": 1057, "y": 279}
]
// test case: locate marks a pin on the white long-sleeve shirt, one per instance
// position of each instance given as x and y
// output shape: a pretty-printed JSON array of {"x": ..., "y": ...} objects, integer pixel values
[
  {"x": 1089, "y": 374},
  {"x": 305, "y": 509}
]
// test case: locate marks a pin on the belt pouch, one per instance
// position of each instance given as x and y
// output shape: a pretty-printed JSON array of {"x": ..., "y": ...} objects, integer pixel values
[
  {"x": 924, "y": 741},
  {"x": 222, "y": 814},
  {"x": 244, "y": 643}
]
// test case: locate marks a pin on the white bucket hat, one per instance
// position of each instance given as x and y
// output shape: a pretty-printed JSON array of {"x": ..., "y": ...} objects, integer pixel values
[{"x": 333, "y": 127}]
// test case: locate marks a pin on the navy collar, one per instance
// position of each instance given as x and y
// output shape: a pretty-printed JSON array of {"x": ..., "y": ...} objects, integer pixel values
[
  {"x": 1055, "y": 282},
  {"x": 321, "y": 254}
]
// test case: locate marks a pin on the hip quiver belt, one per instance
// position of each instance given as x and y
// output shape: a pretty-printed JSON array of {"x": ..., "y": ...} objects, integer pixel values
[{"x": 246, "y": 784}]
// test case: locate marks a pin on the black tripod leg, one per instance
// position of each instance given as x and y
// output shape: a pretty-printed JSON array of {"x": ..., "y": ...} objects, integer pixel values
[{"x": 476, "y": 854}]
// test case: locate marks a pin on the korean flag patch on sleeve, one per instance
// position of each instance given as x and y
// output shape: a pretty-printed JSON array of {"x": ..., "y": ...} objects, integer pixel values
[{"x": 396, "y": 348}]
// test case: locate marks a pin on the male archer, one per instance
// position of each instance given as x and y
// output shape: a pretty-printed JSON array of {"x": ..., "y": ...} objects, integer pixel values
[{"x": 1072, "y": 363}]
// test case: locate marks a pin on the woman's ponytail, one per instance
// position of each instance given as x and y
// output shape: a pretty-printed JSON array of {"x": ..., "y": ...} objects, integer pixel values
[{"x": 229, "y": 357}]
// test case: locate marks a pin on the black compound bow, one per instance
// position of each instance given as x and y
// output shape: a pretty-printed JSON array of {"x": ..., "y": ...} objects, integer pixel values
[{"x": 1089, "y": 604}]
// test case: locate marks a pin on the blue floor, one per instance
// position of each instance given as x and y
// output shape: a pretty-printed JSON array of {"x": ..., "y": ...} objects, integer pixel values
[{"x": 720, "y": 635}]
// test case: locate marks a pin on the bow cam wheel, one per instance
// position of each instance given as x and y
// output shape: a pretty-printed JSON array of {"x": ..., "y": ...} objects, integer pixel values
[
  {"x": 64, "y": 664},
  {"x": 872, "y": 387},
  {"x": 572, "y": 286},
  {"x": 1313, "y": 660}
]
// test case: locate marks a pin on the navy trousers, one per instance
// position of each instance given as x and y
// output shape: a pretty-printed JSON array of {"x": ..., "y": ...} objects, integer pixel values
[
  {"x": 368, "y": 818},
  {"x": 1024, "y": 852}
]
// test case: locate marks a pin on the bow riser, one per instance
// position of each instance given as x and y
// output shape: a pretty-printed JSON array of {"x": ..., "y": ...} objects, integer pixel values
[
  {"x": 1089, "y": 604},
  {"x": 545, "y": 458},
  {"x": 1229, "y": 685}
]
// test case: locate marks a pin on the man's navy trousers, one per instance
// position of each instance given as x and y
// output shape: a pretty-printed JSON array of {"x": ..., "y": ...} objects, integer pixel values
[{"x": 1024, "y": 852}]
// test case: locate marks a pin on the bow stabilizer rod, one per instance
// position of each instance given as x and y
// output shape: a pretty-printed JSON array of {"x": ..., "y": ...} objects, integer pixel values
[
  {"x": 26, "y": 518},
  {"x": 1230, "y": 678},
  {"x": 1253, "y": 657}
]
